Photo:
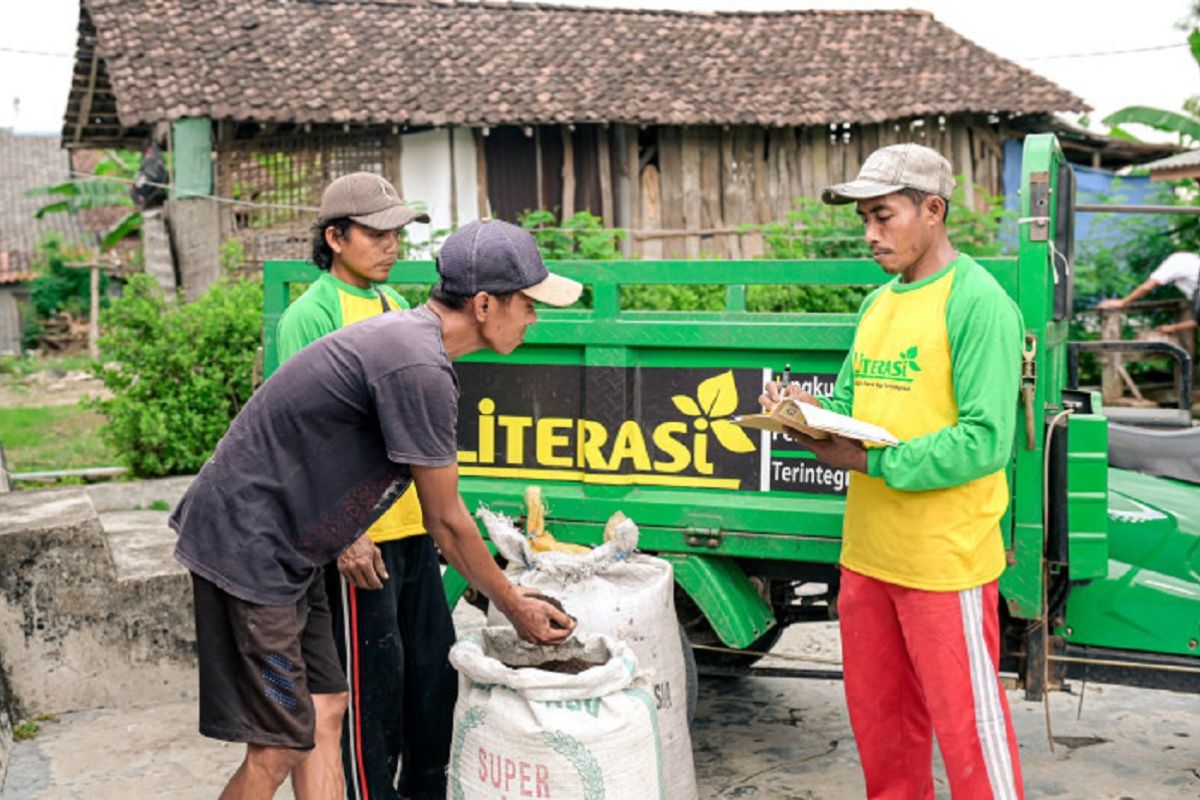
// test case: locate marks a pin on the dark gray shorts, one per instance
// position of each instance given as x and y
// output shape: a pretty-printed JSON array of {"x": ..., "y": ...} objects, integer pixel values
[{"x": 260, "y": 666}]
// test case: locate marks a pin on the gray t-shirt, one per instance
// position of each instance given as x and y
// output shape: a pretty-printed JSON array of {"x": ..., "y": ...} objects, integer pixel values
[{"x": 322, "y": 449}]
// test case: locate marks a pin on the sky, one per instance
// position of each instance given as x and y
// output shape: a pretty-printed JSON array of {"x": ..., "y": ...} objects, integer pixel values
[{"x": 1080, "y": 44}]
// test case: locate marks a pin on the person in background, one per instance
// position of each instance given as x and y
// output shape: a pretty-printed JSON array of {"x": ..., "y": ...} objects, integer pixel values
[
  {"x": 1181, "y": 270},
  {"x": 388, "y": 630},
  {"x": 935, "y": 360}
]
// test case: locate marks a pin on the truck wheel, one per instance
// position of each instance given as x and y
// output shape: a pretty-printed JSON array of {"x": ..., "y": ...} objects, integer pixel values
[
  {"x": 691, "y": 679},
  {"x": 701, "y": 635}
]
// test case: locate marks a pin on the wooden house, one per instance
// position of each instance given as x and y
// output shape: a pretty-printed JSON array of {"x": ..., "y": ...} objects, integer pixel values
[{"x": 680, "y": 128}]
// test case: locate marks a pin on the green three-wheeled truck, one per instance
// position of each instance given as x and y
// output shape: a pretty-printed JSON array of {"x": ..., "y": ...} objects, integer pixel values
[{"x": 609, "y": 409}]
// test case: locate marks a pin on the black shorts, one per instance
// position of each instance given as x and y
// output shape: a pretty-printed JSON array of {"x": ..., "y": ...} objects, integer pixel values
[{"x": 260, "y": 666}]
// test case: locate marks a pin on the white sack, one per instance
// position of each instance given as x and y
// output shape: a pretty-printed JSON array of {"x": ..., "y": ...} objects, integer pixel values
[
  {"x": 628, "y": 596},
  {"x": 527, "y": 732}
]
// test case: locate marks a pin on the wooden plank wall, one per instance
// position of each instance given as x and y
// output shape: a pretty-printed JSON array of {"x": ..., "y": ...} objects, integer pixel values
[{"x": 707, "y": 182}]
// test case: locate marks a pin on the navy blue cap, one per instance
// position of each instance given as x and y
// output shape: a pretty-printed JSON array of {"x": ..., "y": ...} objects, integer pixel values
[{"x": 498, "y": 257}]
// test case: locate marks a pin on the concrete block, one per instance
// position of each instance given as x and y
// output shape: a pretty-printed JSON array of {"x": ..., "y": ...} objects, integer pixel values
[{"x": 73, "y": 633}]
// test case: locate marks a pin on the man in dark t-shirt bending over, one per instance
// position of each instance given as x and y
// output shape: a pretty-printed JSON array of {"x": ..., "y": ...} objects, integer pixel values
[{"x": 322, "y": 449}]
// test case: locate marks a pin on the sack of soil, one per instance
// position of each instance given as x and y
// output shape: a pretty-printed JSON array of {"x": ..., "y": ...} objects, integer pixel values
[
  {"x": 571, "y": 722},
  {"x": 617, "y": 592}
]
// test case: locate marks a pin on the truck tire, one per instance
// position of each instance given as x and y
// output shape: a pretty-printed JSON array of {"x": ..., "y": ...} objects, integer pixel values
[{"x": 691, "y": 677}]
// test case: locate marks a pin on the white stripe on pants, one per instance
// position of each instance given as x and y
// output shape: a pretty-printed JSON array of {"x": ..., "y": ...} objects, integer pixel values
[{"x": 989, "y": 716}]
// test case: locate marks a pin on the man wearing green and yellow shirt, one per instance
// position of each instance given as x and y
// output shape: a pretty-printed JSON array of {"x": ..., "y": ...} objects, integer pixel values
[
  {"x": 935, "y": 360},
  {"x": 395, "y": 636}
]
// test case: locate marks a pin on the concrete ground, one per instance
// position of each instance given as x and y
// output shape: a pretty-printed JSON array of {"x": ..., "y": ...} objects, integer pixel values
[
  {"x": 755, "y": 737},
  {"x": 770, "y": 738}
]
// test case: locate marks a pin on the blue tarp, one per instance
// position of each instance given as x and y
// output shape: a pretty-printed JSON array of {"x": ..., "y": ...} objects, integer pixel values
[{"x": 1091, "y": 186}]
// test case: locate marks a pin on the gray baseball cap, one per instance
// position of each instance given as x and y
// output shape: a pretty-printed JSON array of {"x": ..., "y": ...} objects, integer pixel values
[
  {"x": 892, "y": 168},
  {"x": 499, "y": 258},
  {"x": 369, "y": 200}
]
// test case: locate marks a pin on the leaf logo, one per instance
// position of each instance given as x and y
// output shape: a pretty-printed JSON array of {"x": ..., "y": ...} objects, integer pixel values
[
  {"x": 909, "y": 357},
  {"x": 716, "y": 397}
]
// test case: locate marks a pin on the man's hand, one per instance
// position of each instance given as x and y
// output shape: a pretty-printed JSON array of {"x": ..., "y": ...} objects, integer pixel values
[
  {"x": 1112, "y": 302},
  {"x": 455, "y": 534},
  {"x": 362, "y": 564},
  {"x": 537, "y": 621},
  {"x": 836, "y": 451},
  {"x": 771, "y": 395}
]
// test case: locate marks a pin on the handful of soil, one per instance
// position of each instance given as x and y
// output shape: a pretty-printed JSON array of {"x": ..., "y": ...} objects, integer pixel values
[
  {"x": 554, "y": 601},
  {"x": 571, "y": 666}
]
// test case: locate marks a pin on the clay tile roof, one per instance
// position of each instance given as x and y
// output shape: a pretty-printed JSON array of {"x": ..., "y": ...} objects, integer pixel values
[{"x": 435, "y": 62}]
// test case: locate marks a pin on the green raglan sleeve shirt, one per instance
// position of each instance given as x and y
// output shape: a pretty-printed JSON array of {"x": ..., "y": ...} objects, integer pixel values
[
  {"x": 985, "y": 333},
  {"x": 313, "y": 315},
  {"x": 324, "y": 307}
]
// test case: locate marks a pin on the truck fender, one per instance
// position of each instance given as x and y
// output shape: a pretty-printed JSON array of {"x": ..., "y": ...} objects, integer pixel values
[{"x": 733, "y": 606}]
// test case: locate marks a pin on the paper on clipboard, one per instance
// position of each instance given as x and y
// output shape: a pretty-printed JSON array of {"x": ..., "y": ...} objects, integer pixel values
[{"x": 816, "y": 422}]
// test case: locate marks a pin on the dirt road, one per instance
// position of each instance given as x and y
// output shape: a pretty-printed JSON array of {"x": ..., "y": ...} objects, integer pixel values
[{"x": 762, "y": 738}]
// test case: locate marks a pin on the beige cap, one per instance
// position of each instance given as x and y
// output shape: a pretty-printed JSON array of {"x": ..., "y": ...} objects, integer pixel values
[
  {"x": 555, "y": 290},
  {"x": 890, "y": 169},
  {"x": 369, "y": 200}
]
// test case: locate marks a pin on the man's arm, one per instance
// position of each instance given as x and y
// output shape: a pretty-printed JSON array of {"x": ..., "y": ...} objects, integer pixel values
[
  {"x": 451, "y": 526},
  {"x": 1147, "y": 286}
]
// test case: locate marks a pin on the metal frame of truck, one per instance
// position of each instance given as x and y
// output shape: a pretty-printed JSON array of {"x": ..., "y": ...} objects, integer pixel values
[{"x": 609, "y": 409}]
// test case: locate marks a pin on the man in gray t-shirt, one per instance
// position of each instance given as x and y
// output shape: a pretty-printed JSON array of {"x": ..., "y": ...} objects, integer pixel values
[{"x": 317, "y": 455}]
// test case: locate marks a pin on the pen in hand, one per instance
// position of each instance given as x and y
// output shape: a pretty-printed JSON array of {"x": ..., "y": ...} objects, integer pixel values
[{"x": 786, "y": 385}]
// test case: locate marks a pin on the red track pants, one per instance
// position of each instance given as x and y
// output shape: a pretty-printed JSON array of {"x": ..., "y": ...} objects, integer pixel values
[{"x": 918, "y": 663}]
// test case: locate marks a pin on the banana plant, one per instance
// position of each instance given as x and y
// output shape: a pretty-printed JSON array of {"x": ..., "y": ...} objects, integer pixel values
[
  {"x": 106, "y": 187},
  {"x": 1186, "y": 125}
]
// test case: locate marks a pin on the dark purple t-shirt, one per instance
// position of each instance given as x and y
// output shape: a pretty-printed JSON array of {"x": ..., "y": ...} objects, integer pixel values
[{"x": 322, "y": 449}]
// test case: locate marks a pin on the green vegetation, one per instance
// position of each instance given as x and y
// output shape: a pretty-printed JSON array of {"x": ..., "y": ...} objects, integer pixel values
[
  {"x": 57, "y": 288},
  {"x": 1137, "y": 244},
  {"x": 815, "y": 230},
  {"x": 179, "y": 373},
  {"x": 582, "y": 237},
  {"x": 811, "y": 230},
  {"x": 30, "y": 727},
  {"x": 54, "y": 438}
]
